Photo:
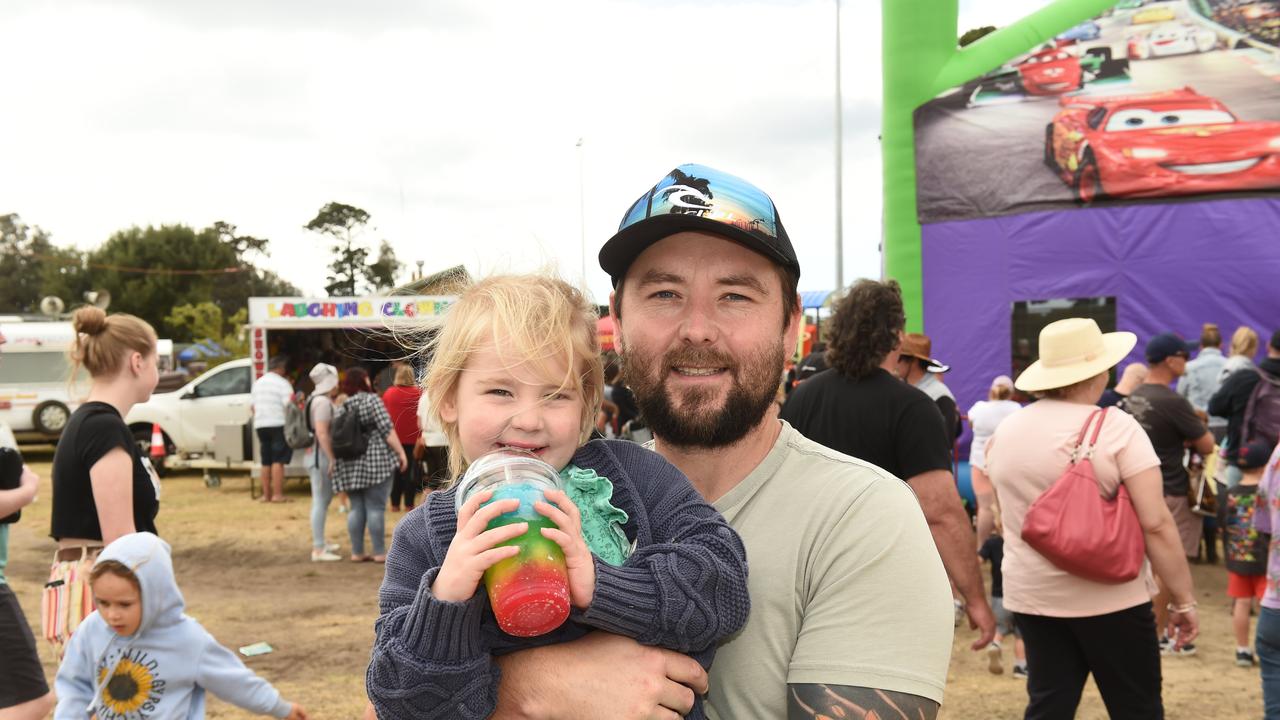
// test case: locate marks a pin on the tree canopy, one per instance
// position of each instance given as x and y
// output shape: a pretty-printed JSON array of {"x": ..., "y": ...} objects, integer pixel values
[
  {"x": 350, "y": 272},
  {"x": 148, "y": 271}
]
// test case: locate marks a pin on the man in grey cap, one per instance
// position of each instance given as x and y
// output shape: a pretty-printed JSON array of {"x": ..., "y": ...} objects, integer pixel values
[{"x": 850, "y": 602}]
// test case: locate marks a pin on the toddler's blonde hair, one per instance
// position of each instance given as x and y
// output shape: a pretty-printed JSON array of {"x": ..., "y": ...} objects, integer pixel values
[{"x": 536, "y": 319}]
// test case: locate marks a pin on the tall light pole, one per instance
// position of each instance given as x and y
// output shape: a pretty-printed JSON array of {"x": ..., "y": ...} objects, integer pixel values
[
  {"x": 839, "y": 164},
  {"x": 582, "y": 211}
]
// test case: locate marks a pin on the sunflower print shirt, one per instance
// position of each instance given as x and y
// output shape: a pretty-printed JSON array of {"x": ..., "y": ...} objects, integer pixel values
[{"x": 134, "y": 689}]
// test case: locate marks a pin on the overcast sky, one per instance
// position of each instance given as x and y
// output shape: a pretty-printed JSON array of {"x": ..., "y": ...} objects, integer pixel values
[{"x": 453, "y": 123}]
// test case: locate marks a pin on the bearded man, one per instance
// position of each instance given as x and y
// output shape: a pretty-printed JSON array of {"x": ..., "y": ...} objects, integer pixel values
[{"x": 851, "y": 611}]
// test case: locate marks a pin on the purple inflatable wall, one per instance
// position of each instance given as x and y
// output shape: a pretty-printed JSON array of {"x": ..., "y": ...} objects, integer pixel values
[{"x": 1170, "y": 266}]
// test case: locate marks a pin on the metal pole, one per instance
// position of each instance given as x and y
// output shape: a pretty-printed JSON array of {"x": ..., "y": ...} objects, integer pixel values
[
  {"x": 839, "y": 164},
  {"x": 582, "y": 211}
]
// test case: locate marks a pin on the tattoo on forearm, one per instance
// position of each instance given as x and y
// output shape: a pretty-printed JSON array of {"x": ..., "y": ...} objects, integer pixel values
[{"x": 831, "y": 702}]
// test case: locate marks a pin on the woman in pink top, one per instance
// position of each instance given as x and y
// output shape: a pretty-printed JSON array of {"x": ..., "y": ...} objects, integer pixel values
[{"x": 1072, "y": 626}]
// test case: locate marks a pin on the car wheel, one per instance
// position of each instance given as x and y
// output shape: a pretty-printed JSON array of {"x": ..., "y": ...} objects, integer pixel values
[
  {"x": 50, "y": 417},
  {"x": 142, "y": 438},
  {"x": 1088, "y": 181},
  {"x": 1049, "y": 158}
]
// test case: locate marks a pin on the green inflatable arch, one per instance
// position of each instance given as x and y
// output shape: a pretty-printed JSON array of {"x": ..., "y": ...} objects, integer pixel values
[{"x": 921, "y": 59}]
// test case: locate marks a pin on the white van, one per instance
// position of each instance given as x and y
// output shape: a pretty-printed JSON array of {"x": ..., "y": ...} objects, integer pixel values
[{"x": 36, "y": 400}]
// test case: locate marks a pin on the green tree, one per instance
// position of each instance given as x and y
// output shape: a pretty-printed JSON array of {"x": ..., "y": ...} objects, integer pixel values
[
  {"x": 975, "y": 34},
  {"x": 26, "y": 253},
  {"x": 350, "y": 272},
  {"x": 204, "y": 322},
  {"x": 383, "y": 271},
  {"x": 151, "y": 270}
]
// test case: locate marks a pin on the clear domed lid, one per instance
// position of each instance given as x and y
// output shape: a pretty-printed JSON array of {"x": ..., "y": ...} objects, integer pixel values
[{"x": 505, "y": 467}]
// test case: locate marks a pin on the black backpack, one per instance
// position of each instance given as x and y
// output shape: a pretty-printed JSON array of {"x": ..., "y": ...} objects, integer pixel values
[
  {"x": 350, "y": 439},
  {"x": 1262, "y": 412}
]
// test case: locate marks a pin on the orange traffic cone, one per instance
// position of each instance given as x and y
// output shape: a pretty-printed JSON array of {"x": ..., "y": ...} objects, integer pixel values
[{"x": 157, "y": 441}]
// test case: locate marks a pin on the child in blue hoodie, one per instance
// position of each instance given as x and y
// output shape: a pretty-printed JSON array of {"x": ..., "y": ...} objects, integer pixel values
[{"x": 138, "y": 657}]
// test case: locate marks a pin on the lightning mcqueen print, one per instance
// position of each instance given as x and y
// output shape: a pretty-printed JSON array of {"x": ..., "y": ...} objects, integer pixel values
[{"x": 1177, "y": 142}]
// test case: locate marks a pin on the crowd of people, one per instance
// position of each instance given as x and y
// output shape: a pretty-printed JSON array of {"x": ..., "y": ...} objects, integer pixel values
[{"x": 732, "y": 553}]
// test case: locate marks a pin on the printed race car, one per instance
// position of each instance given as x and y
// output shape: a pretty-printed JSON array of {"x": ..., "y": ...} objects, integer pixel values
[
  {"x": 1153, "y": 14},
  {"x": 1050, "y": 72},
  {"x": 1087, "y": 30},
  {"x": 1176, "y": 142},
  {"x": 1171, "y": 39}
]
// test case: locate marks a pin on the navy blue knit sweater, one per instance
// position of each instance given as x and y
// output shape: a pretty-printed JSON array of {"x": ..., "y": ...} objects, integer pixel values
[{"x": 684, "y": 588}]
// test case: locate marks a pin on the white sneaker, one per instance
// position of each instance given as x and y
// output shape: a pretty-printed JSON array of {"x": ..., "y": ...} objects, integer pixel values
[
  {"x": 995, "y": 663},
  {"x": 331, "y": 547},
  {"x": 324, "y": 556}
]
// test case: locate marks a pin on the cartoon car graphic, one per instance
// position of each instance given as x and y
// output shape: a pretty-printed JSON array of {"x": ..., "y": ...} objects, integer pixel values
[
  {"x": 1176, "y": 142},
  {"x": 1050, "y": 72},
  {"x": 1153, "y": 14},
  {"x": 1087, "y": 30},
  {"x": 1171, "y": 39}
]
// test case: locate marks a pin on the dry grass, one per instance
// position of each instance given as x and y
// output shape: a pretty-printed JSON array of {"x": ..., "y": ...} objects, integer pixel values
[{"x": 245, "y": 572}]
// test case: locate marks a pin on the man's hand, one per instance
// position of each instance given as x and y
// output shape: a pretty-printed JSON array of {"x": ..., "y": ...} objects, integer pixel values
[
  {"x": 599, "y": 676},
  {"x": 983, "y": 620}
]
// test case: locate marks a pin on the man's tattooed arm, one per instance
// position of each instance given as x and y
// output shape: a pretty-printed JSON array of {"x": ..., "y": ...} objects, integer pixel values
[{"x": 827, "y": 702}]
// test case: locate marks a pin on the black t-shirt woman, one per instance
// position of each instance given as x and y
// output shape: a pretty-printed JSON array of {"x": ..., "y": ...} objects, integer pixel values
[{"x": 103, "y": 487}]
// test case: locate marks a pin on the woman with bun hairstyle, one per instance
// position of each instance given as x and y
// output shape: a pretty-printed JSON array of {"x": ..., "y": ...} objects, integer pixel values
[{"x": 103, "y": 487}]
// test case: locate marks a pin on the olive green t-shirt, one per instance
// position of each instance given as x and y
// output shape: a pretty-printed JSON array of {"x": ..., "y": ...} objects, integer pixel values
[{"x": 846, "y": 584}]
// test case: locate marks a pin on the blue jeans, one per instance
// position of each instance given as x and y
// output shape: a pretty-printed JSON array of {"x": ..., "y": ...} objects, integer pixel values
[
  {"x": 1267, "y": 644},
  {"x": 369, "y": 508},
  {"x": 321, "y": 494}
]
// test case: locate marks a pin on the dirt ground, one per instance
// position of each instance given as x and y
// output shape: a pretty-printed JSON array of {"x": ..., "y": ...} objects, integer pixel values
[{"x": 246, "y": 575}]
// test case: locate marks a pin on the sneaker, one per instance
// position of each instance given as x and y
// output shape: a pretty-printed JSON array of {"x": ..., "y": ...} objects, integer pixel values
[
  {"x": 324, "y": 556},
  {"x": 1244, "y": 658},
  {"x": 1166, "y": 644},
  {"x": 1020, "y": 672},
  {"x": 995, "y": 663},
  {"x": 331, "y": 547},
  {"x": 1185, "y": 651},
  {"x": 960, "y": 614}
]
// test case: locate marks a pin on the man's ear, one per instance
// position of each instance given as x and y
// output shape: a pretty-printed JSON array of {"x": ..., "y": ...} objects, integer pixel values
[
  {"x": 791, "y": 333},
  {"x": 617, "y": 323}
]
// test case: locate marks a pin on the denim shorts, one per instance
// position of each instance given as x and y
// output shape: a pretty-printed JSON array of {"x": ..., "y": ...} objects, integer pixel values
[{"x": 273, "y": 447}]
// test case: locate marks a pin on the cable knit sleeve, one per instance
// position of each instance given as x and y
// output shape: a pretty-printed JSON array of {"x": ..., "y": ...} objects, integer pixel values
[
  {"x": 430, "y": 659},
  {"x": 686, "y": 589}
]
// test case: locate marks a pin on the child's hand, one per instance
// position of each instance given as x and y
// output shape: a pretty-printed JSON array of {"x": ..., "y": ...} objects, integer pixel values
[
  {"x": 474, "y": 549},
  {"x": 296, "y": 713},
  {"x": 577, "y": 557}
]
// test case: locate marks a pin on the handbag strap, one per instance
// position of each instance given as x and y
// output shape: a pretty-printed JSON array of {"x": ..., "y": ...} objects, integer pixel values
[{"x": 1101, "y": 414}]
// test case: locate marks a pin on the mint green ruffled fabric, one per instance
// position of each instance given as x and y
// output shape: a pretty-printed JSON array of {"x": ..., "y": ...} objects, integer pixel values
[{"x": 601, "y": 521}]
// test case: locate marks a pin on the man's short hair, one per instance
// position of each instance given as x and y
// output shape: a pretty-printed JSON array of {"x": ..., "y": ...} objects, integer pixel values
[
  {"x": 278, "y": 362},
  {"x": 866, "y": 327}
]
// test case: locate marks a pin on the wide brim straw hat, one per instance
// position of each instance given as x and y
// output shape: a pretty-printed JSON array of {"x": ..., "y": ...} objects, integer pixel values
[{"x": 1073, "y": 350}]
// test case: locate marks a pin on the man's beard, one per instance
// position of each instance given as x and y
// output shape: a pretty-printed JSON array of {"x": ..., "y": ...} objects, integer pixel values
[{"x": 696, "y": 423}]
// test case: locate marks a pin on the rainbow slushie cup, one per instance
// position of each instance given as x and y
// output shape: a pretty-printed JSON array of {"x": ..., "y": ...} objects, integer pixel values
[{"x": 530, "y": 591}]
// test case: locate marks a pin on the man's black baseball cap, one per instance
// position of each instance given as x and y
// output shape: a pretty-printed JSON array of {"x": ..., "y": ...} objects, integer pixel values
[{"x": 696, "y": 197}]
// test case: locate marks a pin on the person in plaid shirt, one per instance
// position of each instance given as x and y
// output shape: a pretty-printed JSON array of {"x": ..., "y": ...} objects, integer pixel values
[{"x": 367, "y": 480}]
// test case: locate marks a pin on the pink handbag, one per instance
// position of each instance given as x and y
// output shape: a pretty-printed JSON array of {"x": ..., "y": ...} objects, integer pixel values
[{"x": 1080, "y": 531}]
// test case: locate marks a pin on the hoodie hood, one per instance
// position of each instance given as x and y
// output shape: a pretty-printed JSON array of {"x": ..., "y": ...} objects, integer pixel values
[{"x": 147, "y": 556}]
